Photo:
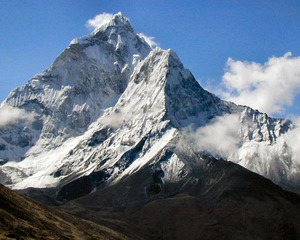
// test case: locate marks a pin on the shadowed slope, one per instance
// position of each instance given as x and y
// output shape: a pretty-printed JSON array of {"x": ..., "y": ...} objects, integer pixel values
[
  {"x": 216, "y": 200},
  {"x": 24, "y": 218}
]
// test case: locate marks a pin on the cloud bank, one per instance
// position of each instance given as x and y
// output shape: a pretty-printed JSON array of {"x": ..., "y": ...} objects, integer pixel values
[
  {"x": 99, "y": 20},
  {"x": 268, "y": 87},
  {"x": 221, "y": 137},
  {"x": 10, "y": 115}
]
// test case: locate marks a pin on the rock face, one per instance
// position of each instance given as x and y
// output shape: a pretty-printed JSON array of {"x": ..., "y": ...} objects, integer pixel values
[{"x": 110, "y": 106}]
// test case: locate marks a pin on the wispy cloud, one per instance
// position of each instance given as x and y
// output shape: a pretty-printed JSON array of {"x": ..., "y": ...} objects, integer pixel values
[
  {"x": 292, "y": 138},
  {"x": 221, "y": 137},
  {"x": 149, "y": 40},
  {"x": 11, "y": 115},
  {"x": 268, "y": 87},
  {"x": 99, "y": 20},
  {"x": 114, "y": 119}
]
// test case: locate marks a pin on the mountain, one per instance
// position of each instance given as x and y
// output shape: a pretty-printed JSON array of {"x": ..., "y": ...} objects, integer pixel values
[
  {"x": 23, "y": 218},
  {"x": 110, "y": 106}
]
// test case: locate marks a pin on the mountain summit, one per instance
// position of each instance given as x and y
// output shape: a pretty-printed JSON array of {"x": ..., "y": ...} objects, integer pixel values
[{"x": 110, "y": 106}]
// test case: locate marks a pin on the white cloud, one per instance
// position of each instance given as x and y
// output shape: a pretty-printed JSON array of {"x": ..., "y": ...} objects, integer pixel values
[
  {"x": 114, "y": 119},
  {"x": 221, "y": 137},
  {"x": 99, "y": 20},
  {"x": 149, "y": 40},
  {"x": 292, "y": 139},
  {"x": 11, "y": 115},
  {"x": 268, "y": 87}
]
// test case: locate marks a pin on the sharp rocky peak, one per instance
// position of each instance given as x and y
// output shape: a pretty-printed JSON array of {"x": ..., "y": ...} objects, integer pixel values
[
  {"x": 186, "y": 102},
  {"x": 115, "y": 31},
  {"x": 117, "y": 21}
]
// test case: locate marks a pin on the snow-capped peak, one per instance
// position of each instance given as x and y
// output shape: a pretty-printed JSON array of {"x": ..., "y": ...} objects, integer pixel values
[
  {"x": 111, "y": 27},
  {"x": 117, "y": 20}
]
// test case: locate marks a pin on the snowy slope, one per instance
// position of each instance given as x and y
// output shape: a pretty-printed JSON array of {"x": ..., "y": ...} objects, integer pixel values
[
  {"x": 109, "y": 106},
  {"x": 85, "y": 79}
]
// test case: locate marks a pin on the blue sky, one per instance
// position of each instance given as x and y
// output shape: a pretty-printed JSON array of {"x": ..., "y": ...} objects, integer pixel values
[{"x": 203, "y": 33}]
